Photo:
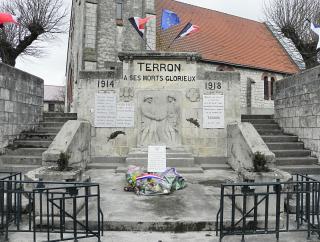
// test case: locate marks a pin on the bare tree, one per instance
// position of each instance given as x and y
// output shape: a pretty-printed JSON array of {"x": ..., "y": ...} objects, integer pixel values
[
  {"x": 288, "y": 17},
  {"x": 39, "y": 21}
]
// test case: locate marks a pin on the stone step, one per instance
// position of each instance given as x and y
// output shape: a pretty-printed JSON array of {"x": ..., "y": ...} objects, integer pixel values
[
  {"x": 19, "y": 168},
  {"x": 279, "y": 138},
  {"x": 285, "y": 145},
  {"x": 32, "y": 143},
  {"x": 58, "y": 119},
  {"x": 51, "y": 124},
  {"x": 256, "y": 116},
  {"x": 171, "y": 162},
  {"x": 53, "y": 130},
  {"x": 215, "y": 167},
  {"x": 181, "y": 170},
  {"x": 103, "y": 165},
  {"x": 266, "y": 126},
  {"x": 168, "y": 150},
  {"x": 169, "y": 155},
  {"x": 291, "y": 153},
  {"x": 263, "y": 132},
  {"x": 284, "y": 161},
  {"x": 259, "y": 121},
  {"x": 109, "y": 159},
  {"x": 301, "y": 169},
  {"x": 56, "y": 114},
  {"x": 38, "y": 136},
  {"x": 21, "y": 159},
  {"x": 26, "y": 151}
]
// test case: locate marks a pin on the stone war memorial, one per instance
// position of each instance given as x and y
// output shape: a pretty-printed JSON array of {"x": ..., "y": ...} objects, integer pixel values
[{"x": 200, "y": 129}]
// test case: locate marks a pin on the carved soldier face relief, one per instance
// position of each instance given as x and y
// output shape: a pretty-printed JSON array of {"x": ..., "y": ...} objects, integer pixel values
[{"x": 159, "y": 120}]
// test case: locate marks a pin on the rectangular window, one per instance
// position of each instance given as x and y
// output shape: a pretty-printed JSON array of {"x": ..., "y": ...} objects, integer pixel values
[
  {"x": 119, "y": 11},
  {"x": 266, "y": 88},
  {"x": 51, "y": 107}
]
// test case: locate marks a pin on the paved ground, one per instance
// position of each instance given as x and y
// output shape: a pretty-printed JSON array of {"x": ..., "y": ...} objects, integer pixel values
[
  {"x": 179, "y": 237},
  {"x": 193, "y": 208},
  {"x": 196, "y": 205}
]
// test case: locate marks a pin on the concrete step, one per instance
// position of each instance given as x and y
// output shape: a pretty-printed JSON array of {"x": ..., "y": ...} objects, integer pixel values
[
  {"x": 56, "y": 114},
  {"x": 171, "y": 162},
  {"x": 21, "y": 159},
  {"x": 259, "y": 121},
  {"x": 51, "y": 124},
  {"x": 301, "y": 169},
  {"x": 285, "y": 145},
  {"x": 215, "y": 167},
  {"x": 32, "y": 143},
  {"x": 52, "y": 130},
  {"x": 38, "y": 136},
  {"x": 256, "y": 116},
  {"x": 169, "y": 155},
  {"x": 19, "y": 168},
  {"x": 263, "y": 132},
  {"x": 103, "y": 165},
  {"x": 291, "y": 153},
  {"x": 58, "y": 119},
  {"x": 267, "y": 126},
  {"x": 284, "y": 161},
  {"x": 279, "y": 138},
  {"x": 108, "y": 159},
  {"x": 181, "y": 170},
  {"x": 26, "y": 151}
]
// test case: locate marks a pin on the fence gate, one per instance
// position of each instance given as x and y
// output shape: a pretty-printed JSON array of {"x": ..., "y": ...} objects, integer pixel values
[
  {"x": 269, "y": 208},
  {"x": 62, "y": 210}
]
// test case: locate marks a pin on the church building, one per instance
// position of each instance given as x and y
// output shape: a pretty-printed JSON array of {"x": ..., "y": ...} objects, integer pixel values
[
  {"x": 100, "y": 29},
  {"x": 155, "y": 91}
]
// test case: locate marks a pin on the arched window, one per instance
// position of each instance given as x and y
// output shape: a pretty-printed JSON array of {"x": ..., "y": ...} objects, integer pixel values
[
  {"x": 272, "y": 86},
  {"x": 268, "y": 84}
]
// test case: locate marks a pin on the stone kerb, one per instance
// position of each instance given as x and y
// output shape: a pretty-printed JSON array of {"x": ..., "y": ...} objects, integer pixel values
[
  {"x": 243, "y": 142},
  {"x": 73, "y": 139}
]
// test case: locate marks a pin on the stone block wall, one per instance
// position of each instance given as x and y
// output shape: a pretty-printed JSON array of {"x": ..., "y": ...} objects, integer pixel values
[
  {"x": 21, "y": 102},
  {"x": 258, "y": 104},
  {"x": 297, "y": 107}
]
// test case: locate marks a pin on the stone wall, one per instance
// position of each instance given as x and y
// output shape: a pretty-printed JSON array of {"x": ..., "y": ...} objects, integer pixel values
[
  {"x": 297, "y": 107},
  {"x": 73, "y": 139},
  {"x": 201, "y": 142},
  {"x": 258, "y": 104},
  {"x": 21, "y": 101}
]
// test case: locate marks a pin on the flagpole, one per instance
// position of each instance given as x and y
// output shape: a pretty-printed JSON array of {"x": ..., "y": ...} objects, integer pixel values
[{"x": 177, "y": 36}]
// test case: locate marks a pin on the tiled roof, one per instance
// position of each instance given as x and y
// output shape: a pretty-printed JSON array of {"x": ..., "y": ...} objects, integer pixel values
[
  {"x": 53, "y": 93},
  {"x": 224, "y": 38}
]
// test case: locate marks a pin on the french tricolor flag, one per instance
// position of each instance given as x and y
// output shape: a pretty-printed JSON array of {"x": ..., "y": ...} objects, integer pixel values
[
  {"x": 139, "y": 23},
  {"x": 188, "y": 30},
  {"x": 7, "y": 18},
  {"x": 316, "y": 29}
]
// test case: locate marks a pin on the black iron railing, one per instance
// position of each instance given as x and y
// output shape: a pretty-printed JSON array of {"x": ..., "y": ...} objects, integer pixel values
[
  {"x": 269, "y": 208},
  {"x": 62, "y": 210}
]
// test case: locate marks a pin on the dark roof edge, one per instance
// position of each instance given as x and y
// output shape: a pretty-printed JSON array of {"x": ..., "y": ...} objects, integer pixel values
[
  {"x": 285, "y": 50},
  {"x": 247, "y": 66}
]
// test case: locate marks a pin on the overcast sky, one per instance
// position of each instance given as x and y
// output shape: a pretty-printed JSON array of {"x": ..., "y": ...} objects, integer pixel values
[{"x": 52, "y": 66}]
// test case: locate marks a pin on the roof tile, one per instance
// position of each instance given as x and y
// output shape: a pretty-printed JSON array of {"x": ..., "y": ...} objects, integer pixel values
[{"x": 224, "y": 38}]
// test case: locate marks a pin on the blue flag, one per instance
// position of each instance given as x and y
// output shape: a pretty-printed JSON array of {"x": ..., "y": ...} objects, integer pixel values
[{"x": 169, "y": 19}]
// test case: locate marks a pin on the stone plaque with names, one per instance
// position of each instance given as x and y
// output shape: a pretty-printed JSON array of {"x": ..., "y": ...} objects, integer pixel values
[
  {"x": 157, "y": 159},
  {"x": 213, "y": 111},
  {"x": 125, "y": 115},
  {"x": 105, "y": 110}
]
